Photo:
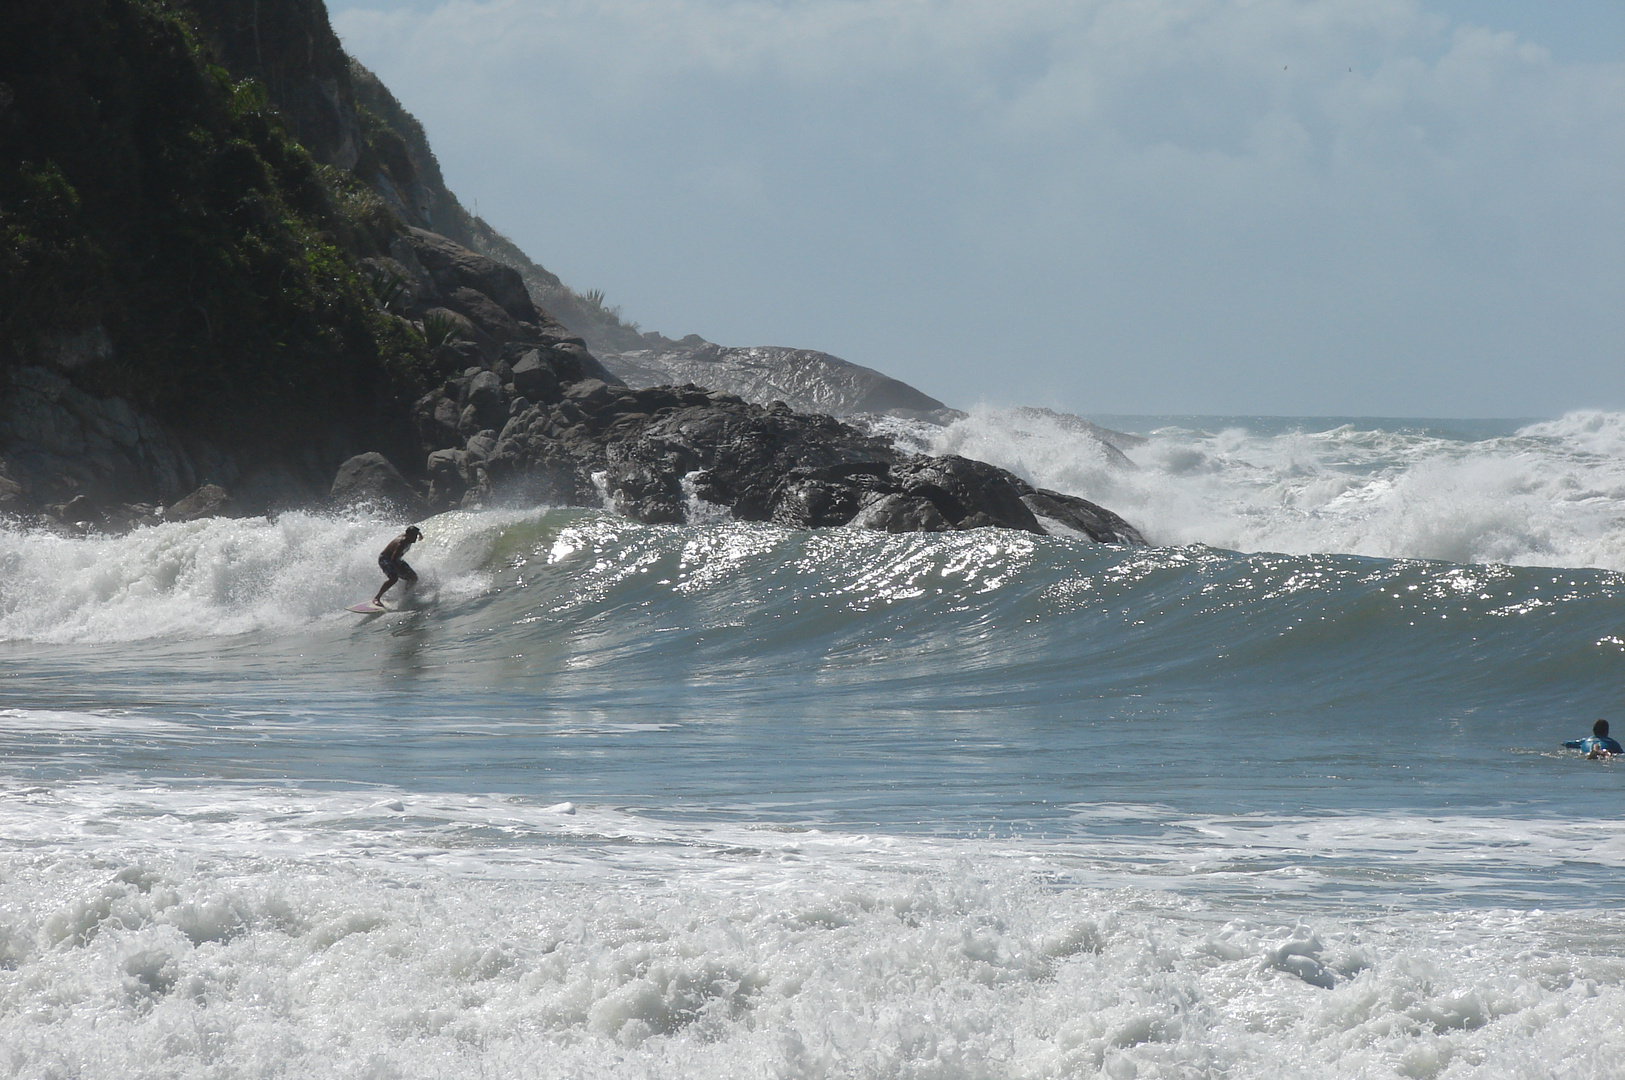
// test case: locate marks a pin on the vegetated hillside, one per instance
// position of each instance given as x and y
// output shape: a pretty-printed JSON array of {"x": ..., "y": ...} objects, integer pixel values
[
  {"x": 186, "y": 192},
  {"x": 167, "y": 239}
]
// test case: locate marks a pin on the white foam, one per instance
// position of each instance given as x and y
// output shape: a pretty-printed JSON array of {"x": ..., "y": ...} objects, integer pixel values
[
  {"x": 1553, "y": 494},
  {"x": 238, "y": 931},
  {"x": 226, "y": 576}
]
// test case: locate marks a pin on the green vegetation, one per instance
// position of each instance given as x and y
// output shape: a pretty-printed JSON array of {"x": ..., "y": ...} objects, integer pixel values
[
  {"x": 440, "y": 330},
  {"x": 145, "y": 190}
]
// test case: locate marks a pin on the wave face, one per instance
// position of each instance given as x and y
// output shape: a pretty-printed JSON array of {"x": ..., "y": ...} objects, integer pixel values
[
  {"x": 1545, "y": 494},
  {"x": 1067, "y": 646}
]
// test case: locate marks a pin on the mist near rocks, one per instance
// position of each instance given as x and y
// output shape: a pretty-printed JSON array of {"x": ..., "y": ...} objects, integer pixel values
[{"x": 1383, "y": 208}]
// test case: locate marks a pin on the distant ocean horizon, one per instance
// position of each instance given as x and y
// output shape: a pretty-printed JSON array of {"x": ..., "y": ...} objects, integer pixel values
[{"x": 1281, "y": 795}]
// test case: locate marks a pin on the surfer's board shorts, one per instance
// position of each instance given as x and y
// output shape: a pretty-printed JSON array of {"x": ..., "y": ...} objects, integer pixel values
[{"x": 396, "y": 568}]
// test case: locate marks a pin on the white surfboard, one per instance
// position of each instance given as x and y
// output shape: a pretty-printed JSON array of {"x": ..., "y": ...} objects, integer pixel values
[{"x": 367, "y": 607}]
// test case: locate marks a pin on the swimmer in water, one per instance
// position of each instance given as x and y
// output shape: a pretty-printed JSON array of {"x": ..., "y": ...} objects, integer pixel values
[
  {"x": 393, "y": 566},
  {"x": 1599, "y": 745}
]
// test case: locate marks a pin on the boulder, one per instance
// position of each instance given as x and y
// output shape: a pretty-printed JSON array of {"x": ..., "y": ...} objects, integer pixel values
[
  {"x": 808, "y": 503},
  {"x": 210, "y": 500},
  {"x": 960, "y": 488},
  {"x": 483, "y": 312},
  {"x": 453, "y": 266},
  {"x": 485, "y": 397},
  {"x": 535, "y": 378},
  {"x": 371, "y": 478},
  {"x": 1078, "y": 516},
  {"x": 901, "y": 513}
]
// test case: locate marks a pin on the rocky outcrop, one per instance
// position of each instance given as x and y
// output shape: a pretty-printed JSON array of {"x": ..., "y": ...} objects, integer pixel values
[
  {"x": 540, "y": 429},
  {"x": 494, "y": 321},
  {"x": 804, "y": 379}
]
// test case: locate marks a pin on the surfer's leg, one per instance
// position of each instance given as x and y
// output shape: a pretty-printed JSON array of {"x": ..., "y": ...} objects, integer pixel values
[{"x": 379, "y": 599}]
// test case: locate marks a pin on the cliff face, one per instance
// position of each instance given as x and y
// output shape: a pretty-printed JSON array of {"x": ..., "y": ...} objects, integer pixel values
[
  {"x": 166, "y": 239},
  {"x": 289, "y": 47}
]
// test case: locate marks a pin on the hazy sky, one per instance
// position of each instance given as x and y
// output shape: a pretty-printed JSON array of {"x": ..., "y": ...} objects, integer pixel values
[{"x": 1382, "y": 207}]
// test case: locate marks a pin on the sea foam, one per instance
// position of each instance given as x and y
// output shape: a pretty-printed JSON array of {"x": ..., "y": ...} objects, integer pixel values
[
  {"x": 1548, "y": 494},
  {"x": 382, "y": 934}
]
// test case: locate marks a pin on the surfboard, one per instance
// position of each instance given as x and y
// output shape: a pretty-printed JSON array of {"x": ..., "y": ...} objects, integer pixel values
[{"x": 367, "y": 607}]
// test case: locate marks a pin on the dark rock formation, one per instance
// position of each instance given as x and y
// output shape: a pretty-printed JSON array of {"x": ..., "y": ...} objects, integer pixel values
[
  {"x": 551, "y": 432},
  {"x": 806, "y": 380},
  {"x": 71, "y": 457},
  {"x": 373, "y": 480},
  {"x": 58, "y": 443},
  {"x": 1079, "y": 516}
]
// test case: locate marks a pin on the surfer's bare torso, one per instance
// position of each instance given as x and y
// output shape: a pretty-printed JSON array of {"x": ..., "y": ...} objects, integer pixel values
[{"x": 392, "y": 562}]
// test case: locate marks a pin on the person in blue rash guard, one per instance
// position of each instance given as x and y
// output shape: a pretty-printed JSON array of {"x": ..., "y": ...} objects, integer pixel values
[{"x": 1599, "y": 744}]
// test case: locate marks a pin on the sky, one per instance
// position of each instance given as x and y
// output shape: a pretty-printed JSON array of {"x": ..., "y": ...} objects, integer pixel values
[{"x": 1288, "y": 207}]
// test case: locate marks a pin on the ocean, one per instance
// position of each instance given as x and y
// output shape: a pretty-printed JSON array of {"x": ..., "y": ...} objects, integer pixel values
[{"x": 1282, "y": 795}]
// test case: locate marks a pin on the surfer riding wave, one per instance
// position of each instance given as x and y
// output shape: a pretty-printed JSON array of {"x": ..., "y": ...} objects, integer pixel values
[{"x": 395, "y": 568}]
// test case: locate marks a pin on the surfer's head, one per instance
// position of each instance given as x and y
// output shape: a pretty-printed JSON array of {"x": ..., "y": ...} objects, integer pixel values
[
  {"x": 1600, "y": 729},
  {"x": 413, "y": 533}
]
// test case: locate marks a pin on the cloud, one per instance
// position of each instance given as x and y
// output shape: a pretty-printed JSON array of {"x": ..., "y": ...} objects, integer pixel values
[{"x": 1215, "y": 205}]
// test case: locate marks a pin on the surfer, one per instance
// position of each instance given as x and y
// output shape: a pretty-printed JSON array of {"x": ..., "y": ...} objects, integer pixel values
[
  {"x": 1599, "y": 744},
  {"x": 393, "y": 566}
]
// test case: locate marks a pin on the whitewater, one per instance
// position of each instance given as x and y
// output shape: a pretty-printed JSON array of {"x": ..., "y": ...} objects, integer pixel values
[{"x": 1281, "y": 795}]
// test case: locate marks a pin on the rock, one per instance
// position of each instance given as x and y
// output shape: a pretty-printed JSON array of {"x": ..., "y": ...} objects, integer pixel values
[
  {"x": 573, "y": 362},
  {"x": 812, "y": 504},
  {"x": 70, "y": 351},
  {"x": 484, "y": 313},
  {"x": 960, "y": 487},
  {"x": 1080, "y": 517},
  {"x": 371, "y": 478},
  {"x": 435, "y": 416},
  {"x": 901, "y": 513},
  {"x": 535, "y": 378},
  {"x": 453, "y": 266},
  {"x": 650, "y": 450},
  {"x": 485, "y": 397},
  {"x": 208, "y": 501},
  {"x": 467, "y": 339},
  {"x": 79, "y": 510},
  {"x": 449, "y": 477},
  {"x": 122, "y": 517},
  {"x": 807, "y": 380}
]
